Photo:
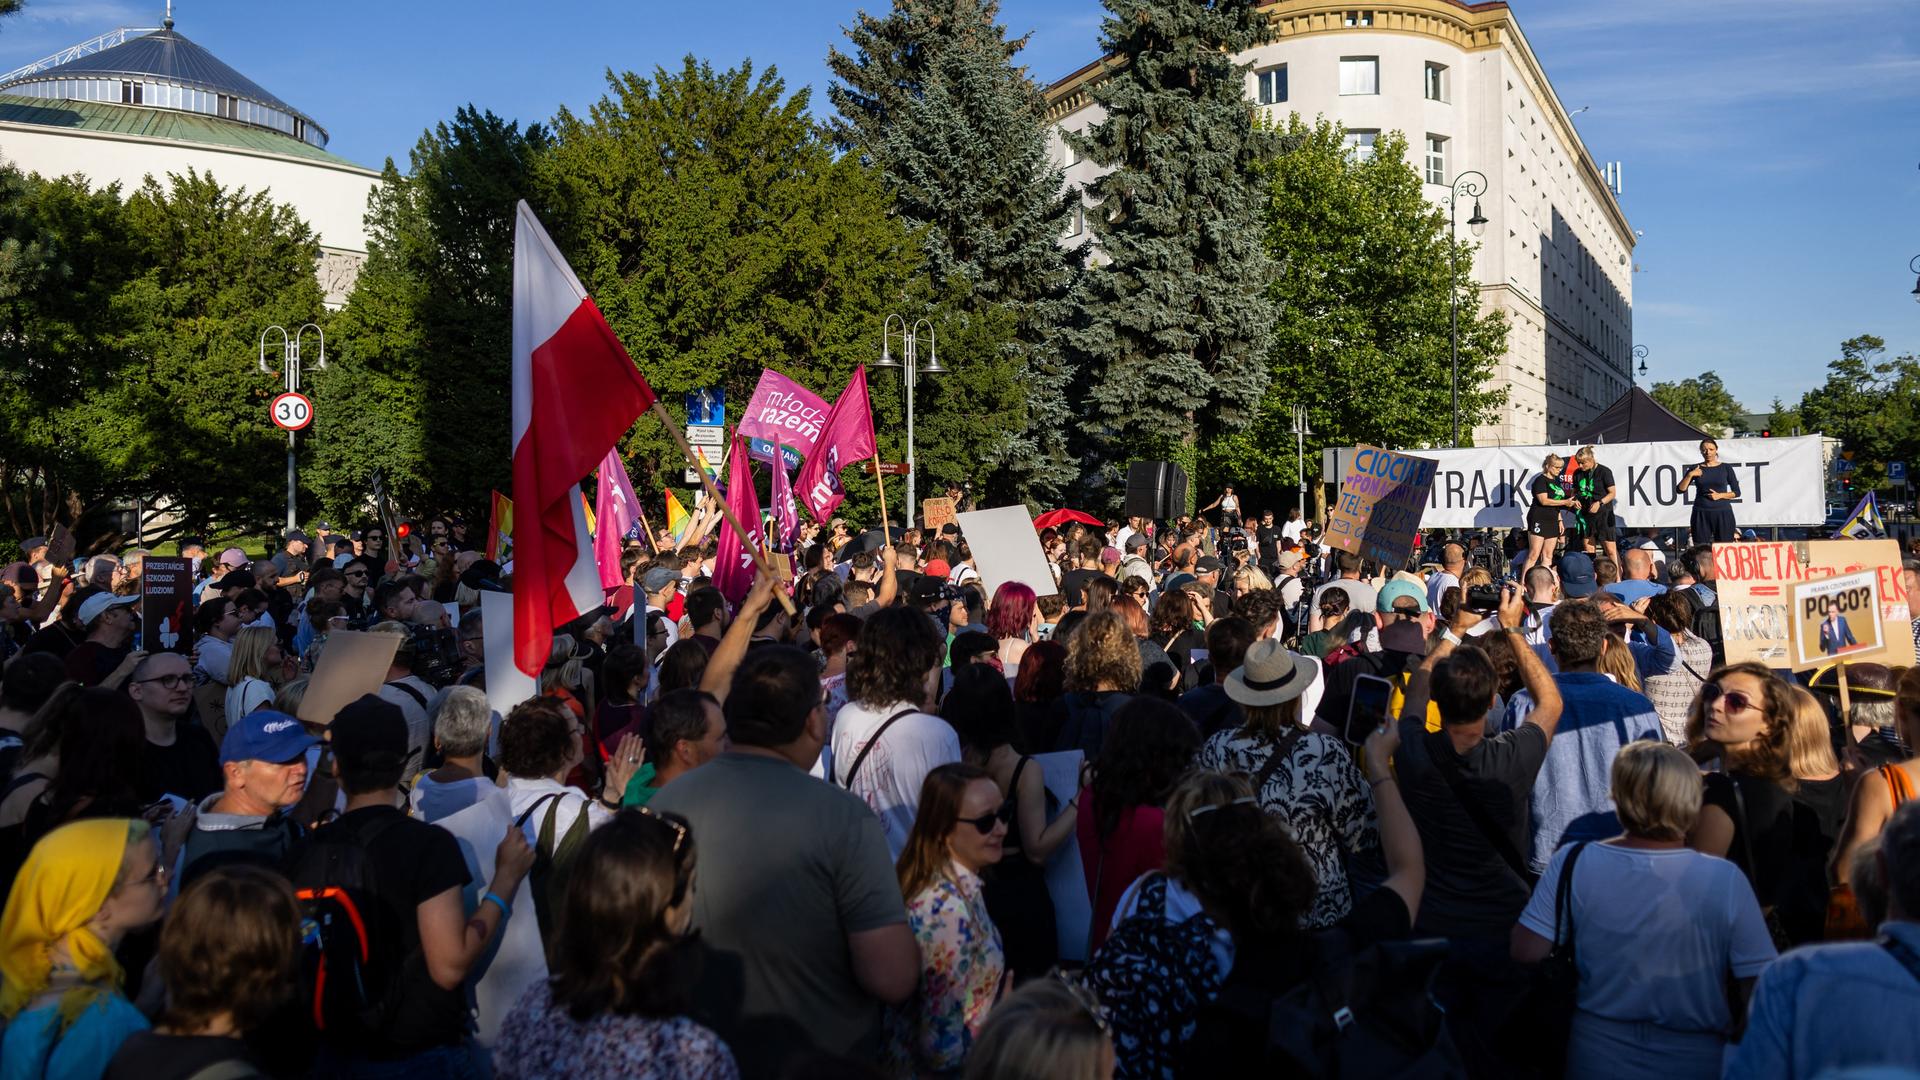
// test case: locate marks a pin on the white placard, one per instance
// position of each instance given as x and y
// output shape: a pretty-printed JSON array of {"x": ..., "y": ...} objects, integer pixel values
[
  {"x": 507, "y": 685},
  {"x": 1066, "y": 876},
  {"x": 1006, "y": 548},
  {"x": 1782, "y": 482},
  {"x": 516, "y": 959}
]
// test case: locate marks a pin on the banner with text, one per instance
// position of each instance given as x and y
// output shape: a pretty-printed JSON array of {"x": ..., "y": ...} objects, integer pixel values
[
  {"x": 1781, "y": 482},
  {"x": 1755, "y": 584},
  {"x": 1380, "y": 505},
  {"x": 781, "y": 408},
  {"x": 166, "y": 603}
]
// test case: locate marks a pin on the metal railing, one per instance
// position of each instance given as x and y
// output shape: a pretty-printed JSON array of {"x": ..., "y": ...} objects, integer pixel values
[{"x": 71, "y": 53}]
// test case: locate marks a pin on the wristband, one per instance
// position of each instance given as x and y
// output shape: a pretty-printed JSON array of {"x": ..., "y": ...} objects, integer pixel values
[{"x": 506, "y": 909}]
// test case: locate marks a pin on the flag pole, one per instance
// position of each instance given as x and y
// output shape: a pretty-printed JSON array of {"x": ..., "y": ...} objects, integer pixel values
[
  {"x": 706, "y": 482},
  {"x": 646, "y": 530},
  {"x": 880, "y": 482}
]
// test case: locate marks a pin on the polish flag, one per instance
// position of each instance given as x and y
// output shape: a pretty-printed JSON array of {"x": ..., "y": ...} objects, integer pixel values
[{"x": 575, "y": 392}]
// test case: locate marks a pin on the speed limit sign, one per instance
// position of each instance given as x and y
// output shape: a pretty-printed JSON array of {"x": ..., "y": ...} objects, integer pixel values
[{"x": 292, "y": 411}]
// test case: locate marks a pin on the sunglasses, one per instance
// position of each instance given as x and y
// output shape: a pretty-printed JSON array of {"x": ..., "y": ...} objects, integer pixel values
[
  {"x": 1199, "y": 812},
  {"x": 679, "y": 829},
  {"x": 170, "y": 682},
  {"x": 1736, "y": 700},
  {"x": 985, "y": 822},
  {"x": 1086, "y": 999}
]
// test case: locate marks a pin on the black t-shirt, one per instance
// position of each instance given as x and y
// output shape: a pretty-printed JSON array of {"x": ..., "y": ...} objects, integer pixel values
[
  {"x": 55, "y": 639},
  {"x": 149, "y": 1056},
  {"x": 90, "y": 662},
  {"x": 1073, "y": 585},
  {"x": 411, "y": 862},
  {"x": 1770, "y": 816},
  {"x": 1268, "y": 537},
  {"x": 190, "y": 768},
  {"x": 1545, "y": 487},
  {"x": 1591, "y": 485},
  {"x": 1471, "y": 890}
]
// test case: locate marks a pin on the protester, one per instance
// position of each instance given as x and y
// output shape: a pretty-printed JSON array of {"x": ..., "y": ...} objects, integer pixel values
[
  {"x": 98, "y": 771},
  {"x": 957, "y": 835},
  {"x": 1210, "y": 706},
  {"x": 885, "y": 741},
  {"x": 180, "y": 756},
  {"x": 1014, "y": 622},
  {"x": 460, "y": 731},
  {"x": 1876, "y": 797},
  {"x": 1549, "y": 493},
  {"x": 689, "y": 730},
  {"x": 1102, "y": 674},
  {"x": 256, "y": 668},
  {"x": 228, "y": 956},
  {"x": 109, "y": 623},
  {"x": 623, "y": 969},
  {"x": 1048, "y": 1030},
  {"x": 215, "y": 622},
  {"x": 1121, "y": 824},
  {"x": 83, "y": 889},
  {"x": 1660, "y": 931},
  {"x": 1673, "y": 688},
  {"x": 263, "y": 760}
]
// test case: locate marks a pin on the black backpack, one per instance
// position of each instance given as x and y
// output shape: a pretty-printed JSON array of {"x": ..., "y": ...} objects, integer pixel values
[
  {"x": 1153, "y": 979},
  {"x": 1368, "y": 1013},
  {"x": 349, "y": 967},
  {"x": 1706, "y": 624}
]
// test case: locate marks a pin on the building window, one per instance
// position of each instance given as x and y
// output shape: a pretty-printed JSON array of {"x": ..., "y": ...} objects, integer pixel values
[
  {"x": 1437, "y": 83},
  {"x": 1436, "y": 159},
  {"x": 1359, "y": 75},
  {"x": 1361, "y": 143},
  {"x": 1271, "y": 85},
  {"x": 1077, "y": 222},
  {"x": 1359, "y": 18},
  {"x": 299, "y": 129},
  {"x": 132, "y": 93}
]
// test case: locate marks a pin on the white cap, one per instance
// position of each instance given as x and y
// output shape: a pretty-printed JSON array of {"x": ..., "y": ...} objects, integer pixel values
[{"x": 98, "y": 603}]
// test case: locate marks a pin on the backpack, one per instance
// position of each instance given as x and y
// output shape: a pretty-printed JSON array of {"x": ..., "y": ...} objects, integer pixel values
[
  {"x": 1366, "y": 1013},
  {"x": 1153, "y": 979},
  {"x": 553, "y": 862},
  {"x": 1706, "y": 624},
  {"x": 349, "y": 962}
]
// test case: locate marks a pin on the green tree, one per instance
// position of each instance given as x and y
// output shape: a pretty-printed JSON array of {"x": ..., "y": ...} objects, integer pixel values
[
  {"x": 1172, "y": 324},
  {"x": 720, "y": 234},
  {"x": 932, "y": 98},
  {"x": 1361, "y": 287},
  {"x": 1783, "y": 420},
  {"x": 421, "y": 387},
  {"x": 1703, "y": 401},
  {"x": 1869, "y": 403}
]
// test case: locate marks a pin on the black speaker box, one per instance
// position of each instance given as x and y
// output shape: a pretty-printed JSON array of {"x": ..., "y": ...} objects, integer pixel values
[{"x": 1156, "y": 489}]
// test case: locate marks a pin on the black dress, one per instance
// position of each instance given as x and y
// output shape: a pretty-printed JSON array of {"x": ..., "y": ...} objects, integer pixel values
[
  {"x": 1017, "y": 897},
  {"x": 1713, "y": 521}
]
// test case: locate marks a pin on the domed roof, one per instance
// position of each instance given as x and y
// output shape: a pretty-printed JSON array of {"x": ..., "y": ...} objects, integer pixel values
[{"x": 169, "y": 57}]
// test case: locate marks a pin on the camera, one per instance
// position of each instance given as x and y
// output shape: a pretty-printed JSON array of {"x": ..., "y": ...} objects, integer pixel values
[{"x": 1483, "y": 598}]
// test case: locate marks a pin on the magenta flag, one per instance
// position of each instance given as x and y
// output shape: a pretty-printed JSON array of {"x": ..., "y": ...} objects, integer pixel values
[
  {"x": 846, "y": 437},
  {"x": 782, "y": 410},
  {"x": 786, "y": 516},
  {"x": 733, "y": 564},
  {"x": 616, "y": 515}
]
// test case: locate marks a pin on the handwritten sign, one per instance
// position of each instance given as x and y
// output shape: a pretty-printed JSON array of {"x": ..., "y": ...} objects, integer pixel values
[
  {"x": 1836, "y": 618},
  {"x": 1755, "y": 583},
  {"x": 1381, "y": 501},
  {"x": 937, "y": 512}
]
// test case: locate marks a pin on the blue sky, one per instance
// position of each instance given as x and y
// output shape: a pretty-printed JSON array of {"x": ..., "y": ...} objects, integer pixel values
[{"x": 1771, "y": 147}]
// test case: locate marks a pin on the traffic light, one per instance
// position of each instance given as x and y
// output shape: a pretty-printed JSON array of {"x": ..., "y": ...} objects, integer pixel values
[
  {"x": 1846, "y": 483},
  {"x": 403, "y": 530},
  {"x": 1766, "y": 433}
]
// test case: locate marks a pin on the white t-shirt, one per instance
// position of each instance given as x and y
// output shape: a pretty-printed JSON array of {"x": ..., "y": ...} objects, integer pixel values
[
  {"x": 411, "y": 694},
  {"x": 1437, "y": 587},
  {"x": 214, "y": 657},
  {"x": 1657, "y": 931},
  {"x": 523, "y": 793},
  {"x": 889, "y": 779},
  {"x": 1293, "y": 530},
  {"x": 245, "y": 696}
]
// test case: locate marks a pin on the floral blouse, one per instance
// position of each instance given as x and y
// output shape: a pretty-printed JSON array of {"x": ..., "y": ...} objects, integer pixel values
[
  {"x": 539, "y": 1039},
  {"x": 961, "y": 967}
]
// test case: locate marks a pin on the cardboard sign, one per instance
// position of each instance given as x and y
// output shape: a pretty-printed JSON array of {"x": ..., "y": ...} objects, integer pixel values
[
  {"x": 937, "y": 512},
  {"x": 166, "y": 604},
  {"x": 507, "y": 685},
  {"x": 1836, "y": 618},
  {"x": 353, "y": 663},
  {"x": 1381, "y": 502},
  {"x": 1005, "y": 548},
  {"x": 1754, "y": 582},
  {"x": 60, "y": 546}
]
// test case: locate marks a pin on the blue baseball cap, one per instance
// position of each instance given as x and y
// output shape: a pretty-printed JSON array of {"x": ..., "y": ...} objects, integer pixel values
[{"x": 265, "y": 735}]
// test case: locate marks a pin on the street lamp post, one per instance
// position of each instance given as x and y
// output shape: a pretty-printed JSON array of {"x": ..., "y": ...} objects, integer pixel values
[
  {"x": 290, "y": 367},
  {"x": 1640, "y": 354},
  {"x": 910, "y": 371},
  {"x": 1914, "y": 268},
  {"x": 1463, "y": 184},
  {"x": 1301, "y": 430}
]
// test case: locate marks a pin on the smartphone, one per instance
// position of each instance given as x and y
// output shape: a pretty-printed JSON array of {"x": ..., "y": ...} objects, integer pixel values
[{"x": 1367, "y": 710}]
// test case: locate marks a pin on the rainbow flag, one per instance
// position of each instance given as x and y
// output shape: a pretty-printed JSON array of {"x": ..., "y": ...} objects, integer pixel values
[{"x": 678, "y": 520}]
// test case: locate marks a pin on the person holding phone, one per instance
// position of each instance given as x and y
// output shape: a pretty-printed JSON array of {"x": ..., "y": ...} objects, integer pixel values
[{"x": 1714, "y": 484}]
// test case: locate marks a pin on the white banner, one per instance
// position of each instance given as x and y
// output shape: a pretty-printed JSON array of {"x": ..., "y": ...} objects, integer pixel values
[{"x": 1782, "y": 482}]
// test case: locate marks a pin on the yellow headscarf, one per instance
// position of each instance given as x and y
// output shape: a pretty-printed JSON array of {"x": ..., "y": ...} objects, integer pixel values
[{"x": 67, "y": 877}]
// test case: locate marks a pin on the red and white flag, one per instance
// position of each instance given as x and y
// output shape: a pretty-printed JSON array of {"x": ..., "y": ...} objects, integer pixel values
[
  {"x": 575, "y": 392},
  {"x": 846, "y": 437},
  {"x": 733, "y": 563}
]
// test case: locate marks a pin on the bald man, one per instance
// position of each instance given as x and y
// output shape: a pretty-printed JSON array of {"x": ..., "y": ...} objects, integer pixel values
[{"x": 1638, "y": 584}]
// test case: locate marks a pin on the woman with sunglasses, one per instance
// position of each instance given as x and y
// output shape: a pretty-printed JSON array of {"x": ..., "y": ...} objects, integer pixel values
[
  {"x": 1742, "y": 718},
  {"x": 622, "y": 968},
  {"x": 85, "y": 886},
  {"x": 957, "y": 833}
]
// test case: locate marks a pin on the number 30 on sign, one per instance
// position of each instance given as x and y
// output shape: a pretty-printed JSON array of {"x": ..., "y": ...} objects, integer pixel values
[{"x": 292, "y": 411}]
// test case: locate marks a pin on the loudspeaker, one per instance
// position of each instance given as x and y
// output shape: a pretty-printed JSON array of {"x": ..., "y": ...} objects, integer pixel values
[{"x": 1156, "y": 489}]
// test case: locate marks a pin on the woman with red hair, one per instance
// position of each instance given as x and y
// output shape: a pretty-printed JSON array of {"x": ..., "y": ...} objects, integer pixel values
[{"x": 1014, "y": 622}]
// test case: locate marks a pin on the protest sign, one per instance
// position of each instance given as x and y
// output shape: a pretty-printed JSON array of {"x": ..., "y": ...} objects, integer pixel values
[
  {"x": 937, "y": 512},
  {"x": 507, "y": 685},
  {"x": 1006, "y": 548},
  {"x": 166, "y": 603},
  {"x": 1066, "y": 877},
  {"x": 1836, "y": 617},
  {"x": 1381, "y": 501},
  {"x": 354, "y": 663},
  {"x": 1782, "y": 482},
  {"x": 781, "y": 407},
  {"x": 1754, "y": 582},
  {"x": 60, "y": 546}
]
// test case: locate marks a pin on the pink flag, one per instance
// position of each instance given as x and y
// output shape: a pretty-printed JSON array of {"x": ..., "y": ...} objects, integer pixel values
[
  {"x": 616, "y": 512},
  {"x": 786, "y": 516},
  {"x": 733, "y": 564},
  {"x": 845, "y": 438},
  {"x": 783, "y": 410},
  {"x": 575, "y": 392}
]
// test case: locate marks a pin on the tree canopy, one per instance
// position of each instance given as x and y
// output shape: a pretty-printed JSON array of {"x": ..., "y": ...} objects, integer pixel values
[
  {"x": 1703, "y": 401},
  {"x": 1871, "y": 403}
]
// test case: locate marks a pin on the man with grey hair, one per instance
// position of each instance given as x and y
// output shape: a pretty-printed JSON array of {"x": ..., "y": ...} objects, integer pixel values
[
  {"x": 1638, "y": 584},
  {"x": 461, "y": 725},
  {"x": 1825, "y": 1010}
]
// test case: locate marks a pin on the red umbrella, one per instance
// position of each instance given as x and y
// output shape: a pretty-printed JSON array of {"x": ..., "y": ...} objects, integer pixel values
[{"x": 1056, "y": 518}]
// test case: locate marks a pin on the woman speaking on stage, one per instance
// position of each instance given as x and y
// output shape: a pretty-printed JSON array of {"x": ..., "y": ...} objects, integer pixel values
[{"x": 1714, "y": 486}]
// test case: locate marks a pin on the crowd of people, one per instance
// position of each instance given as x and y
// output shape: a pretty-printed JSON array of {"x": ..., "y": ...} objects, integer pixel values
[{"x": 1214, "y": 800}]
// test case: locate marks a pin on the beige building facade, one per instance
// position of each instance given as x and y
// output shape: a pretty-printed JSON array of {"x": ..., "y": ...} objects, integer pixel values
[{"x": 1461, "y": 82}]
